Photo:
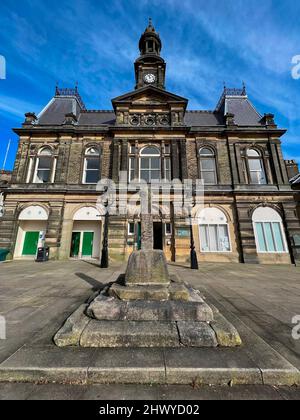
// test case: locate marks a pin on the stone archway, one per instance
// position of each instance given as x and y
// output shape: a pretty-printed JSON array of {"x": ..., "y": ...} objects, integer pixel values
[{"x": 31, "y": 232}]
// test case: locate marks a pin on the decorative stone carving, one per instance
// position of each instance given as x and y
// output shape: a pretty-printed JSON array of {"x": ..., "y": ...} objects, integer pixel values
[{"x": 149, "y": 120}]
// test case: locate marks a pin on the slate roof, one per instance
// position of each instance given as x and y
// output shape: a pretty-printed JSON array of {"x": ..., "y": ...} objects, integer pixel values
[
  {"x": 295, "y": 180},
  {"x": 232, "y": 101}
]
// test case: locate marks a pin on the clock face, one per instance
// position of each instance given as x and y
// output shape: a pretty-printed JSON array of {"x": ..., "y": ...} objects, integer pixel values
[{"x": 149, "y": 78}]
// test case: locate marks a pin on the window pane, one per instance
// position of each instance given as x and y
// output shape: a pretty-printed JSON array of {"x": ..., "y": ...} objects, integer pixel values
[
  {"x": 168, "y": 164},
  {"x": 43, "y": 176},
  {"x": 213, "y": 238},
  {"x": 155, "y": 175},
  {"x": 150, "y": 151},
  {"x": 131, "y": 229},
  {"x": 255, "y": 165},
  {"x": 45, "y": 151},
  {"x": 145, "y": 175},
  {"x": 269, "y": 237},
  {"x": 204, "y": 238},
  {"x": 92, "y": 163},
  {"x": 208, "y": 164},
  {"x": 253, "y": 153},
  {"x": 168, "y": 229},
  {"x": 224, "y": 243},
  {"x": 209, "y": 177},
  {"x": 45, "y": 163},
  {"x": 206, "y": 152},
  {"x": 278, "y": 237},
  {"x": 262, "y": 247},
  {"x": 155, "y": 163},
  {"x": 92, "y": 176},
  {"x": 92, "y": 151},
  {"x": 145, "y": 162}
]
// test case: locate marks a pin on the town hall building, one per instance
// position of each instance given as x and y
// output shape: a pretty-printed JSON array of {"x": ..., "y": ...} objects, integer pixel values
[{"x": 250, "y": 211}]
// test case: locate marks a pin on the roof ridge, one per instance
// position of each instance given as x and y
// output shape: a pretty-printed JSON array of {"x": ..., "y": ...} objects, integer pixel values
[
  {"x": 199, "y": 111},
  {"x": 94, "y": 111}
]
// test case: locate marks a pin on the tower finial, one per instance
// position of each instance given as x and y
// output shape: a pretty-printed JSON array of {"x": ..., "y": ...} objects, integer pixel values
[{"x": 244, "y": 89}]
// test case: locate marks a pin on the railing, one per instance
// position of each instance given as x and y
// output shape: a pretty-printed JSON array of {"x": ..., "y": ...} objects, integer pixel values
[
  {"x": 70, "y": 92},
  {"x": 231, "y": 92}
]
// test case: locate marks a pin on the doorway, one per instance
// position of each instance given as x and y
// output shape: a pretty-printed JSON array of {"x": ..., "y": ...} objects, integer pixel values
[
  {"x": 30, "y": 243},
  {"x": 75, "y": 244},
  {"x": 158, "y": 236},
  {"x": 87, "y": 244}
]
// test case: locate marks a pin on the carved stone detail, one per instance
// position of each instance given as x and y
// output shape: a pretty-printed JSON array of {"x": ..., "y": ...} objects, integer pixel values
[{"x": 149, "y": 120}]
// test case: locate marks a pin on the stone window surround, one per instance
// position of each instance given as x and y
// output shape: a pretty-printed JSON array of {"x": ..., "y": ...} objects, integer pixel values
[
  {"x": 218, "y": 210},
  {"x": 265, "y": 159},
  {"x": 139, "y": 145},
  {"x": 85, "y": 156},
  {"x": 202, "y": 144},
  {"x": 212, "y": 157},
  {"x": 273, "y": 217},
  {"x": 33, "y": 162}
]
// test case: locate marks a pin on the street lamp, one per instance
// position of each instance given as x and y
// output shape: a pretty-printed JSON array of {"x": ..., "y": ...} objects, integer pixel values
[
  {"x": 194, "y": 259},
  {"x": 104, "y": 256}
]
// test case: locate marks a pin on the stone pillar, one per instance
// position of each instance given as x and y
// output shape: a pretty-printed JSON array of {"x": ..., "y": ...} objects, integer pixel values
[
  {"x": 248, "y": 252},
  {"x": 282, "y": 165},
  {"x": 276, "y": 165},
  {"x": 234, "y": 172},
  {"x": 8, "y": 227},
  {"x": 183, "y": 155},
  {"x": 124, "y": 156},
  {"x": 175, "y": 160},
  {"x": 146, "y": 222},
  {"x": 54, "y": 229},
  {"x": 239, "y": 164},
  {"x": 115, "y": 161},
  {"x": 292, "y": 226}
]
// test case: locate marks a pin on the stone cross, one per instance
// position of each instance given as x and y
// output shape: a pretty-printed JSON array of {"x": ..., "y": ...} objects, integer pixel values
[{"x": 146, "y": 221}]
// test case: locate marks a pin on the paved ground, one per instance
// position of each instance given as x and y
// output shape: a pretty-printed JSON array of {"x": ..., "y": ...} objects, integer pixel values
[
  {"x": 144, "y": 393},
  {"x": 265, "y": 298},
  {"x": 34, "y": 296},
  {"x": 35, "y": 300}
]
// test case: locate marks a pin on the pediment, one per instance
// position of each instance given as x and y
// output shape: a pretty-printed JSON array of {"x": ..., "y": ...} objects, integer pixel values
[{"x": 149, "y": 95}]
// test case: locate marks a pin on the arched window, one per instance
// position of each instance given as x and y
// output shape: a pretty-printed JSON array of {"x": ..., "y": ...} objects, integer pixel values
[
  {"x": 269, "y": 232},
  {"x": 208, "y": 171},
  {"x": 91, "y": 170},
  {"x": 256, "y": 167},
  {"x": 45, "y": 168},
  {"x": 214, "y": 232},
  {"x": 150, "y": 164}
]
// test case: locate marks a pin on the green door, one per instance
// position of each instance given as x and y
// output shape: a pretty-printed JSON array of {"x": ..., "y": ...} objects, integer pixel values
[
  {"x": 75, "y": 244},
  {"x": 31, "y": 243},
  {"x": 87, "y": 244}
]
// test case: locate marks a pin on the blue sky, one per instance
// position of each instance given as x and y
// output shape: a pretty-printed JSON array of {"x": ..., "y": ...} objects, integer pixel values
[{"x": 95, "y": 42}]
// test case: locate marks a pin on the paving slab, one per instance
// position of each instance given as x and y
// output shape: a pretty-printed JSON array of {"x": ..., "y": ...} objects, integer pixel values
[{"x": 244, "y": 294}]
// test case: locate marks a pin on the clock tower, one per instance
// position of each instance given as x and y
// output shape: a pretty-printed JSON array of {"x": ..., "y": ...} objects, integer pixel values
[{"x": 150, "y": 68}]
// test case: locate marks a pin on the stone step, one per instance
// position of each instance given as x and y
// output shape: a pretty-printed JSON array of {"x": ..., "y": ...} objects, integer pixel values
[{"x": 125, "y": 334}]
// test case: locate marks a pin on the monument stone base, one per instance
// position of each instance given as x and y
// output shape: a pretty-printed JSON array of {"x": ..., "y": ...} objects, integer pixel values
[{"x": 147, "y": 308}]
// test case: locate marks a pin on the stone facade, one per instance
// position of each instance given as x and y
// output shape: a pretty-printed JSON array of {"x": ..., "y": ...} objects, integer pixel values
[{"x": 66, "y": 135}]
